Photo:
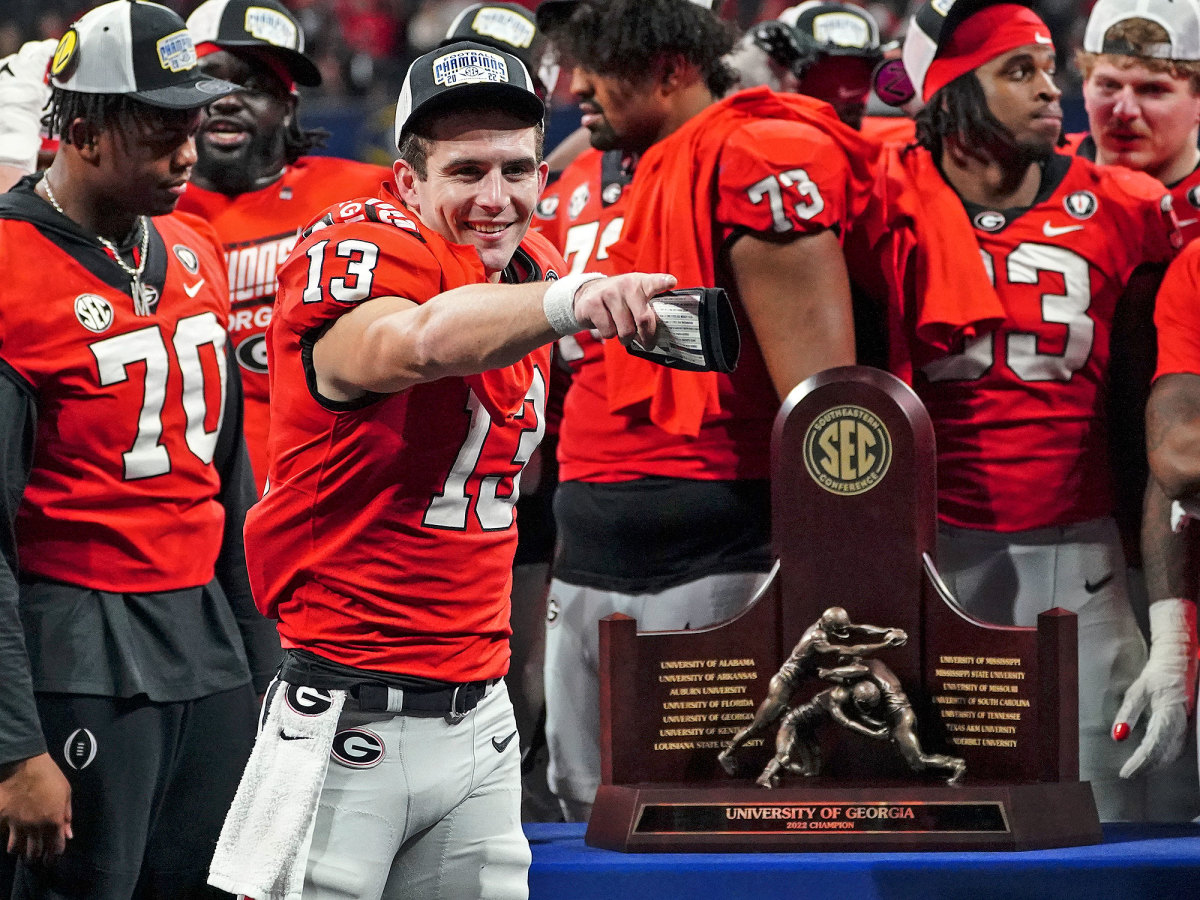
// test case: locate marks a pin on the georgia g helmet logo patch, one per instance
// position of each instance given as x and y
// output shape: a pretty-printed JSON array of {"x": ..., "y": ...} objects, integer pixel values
[
  {"x": 357, "y": 748},
  {"x": 80, "y": 749},
  {"x": 307, "y": 701}
]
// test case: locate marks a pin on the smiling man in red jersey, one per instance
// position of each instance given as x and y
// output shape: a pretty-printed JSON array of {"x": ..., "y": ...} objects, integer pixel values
[
  {"x": 254, "y": 180},
  {"x": 1021, "y": 409},
  {"x": 409, "y": 356}
]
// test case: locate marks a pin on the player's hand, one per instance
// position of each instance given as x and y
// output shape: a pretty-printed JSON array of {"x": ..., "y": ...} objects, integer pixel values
[
  {"x": 23, "y": 96},
  {"x": 620, "y": 306},
  {"x": 35, "y": 806},
  {"x": 896, "y": 637},
  {"x": 1167, "y": 685}
]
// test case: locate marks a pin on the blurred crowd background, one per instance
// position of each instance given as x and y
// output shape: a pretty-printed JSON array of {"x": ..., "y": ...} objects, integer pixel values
[{"x": 363, "y": 48}]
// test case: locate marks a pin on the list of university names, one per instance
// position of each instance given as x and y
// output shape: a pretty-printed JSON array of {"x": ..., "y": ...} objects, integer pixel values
[
  {"x": 981, "y": 699},
  {"x": 705, "y": 702}
]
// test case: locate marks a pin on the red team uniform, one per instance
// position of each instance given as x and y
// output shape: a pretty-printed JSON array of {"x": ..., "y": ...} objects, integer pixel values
[
  {"x": 644, "y": 452},
  {"x": 1177, "y": 315},
  {"x": 258, "y": 230},
  {"x": 1185, "y": 193},
  {"x": 342, "y": 592},
  {"x": 127, "y": 484},
  {"x": 1021, "y": 411}
]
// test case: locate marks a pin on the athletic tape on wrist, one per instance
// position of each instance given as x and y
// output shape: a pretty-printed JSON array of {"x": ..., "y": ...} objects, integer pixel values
[{"x": 559, "y": 302}]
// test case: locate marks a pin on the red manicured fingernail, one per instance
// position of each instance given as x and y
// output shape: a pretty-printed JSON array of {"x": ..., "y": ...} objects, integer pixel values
[{"x": 1120, "y": 731}]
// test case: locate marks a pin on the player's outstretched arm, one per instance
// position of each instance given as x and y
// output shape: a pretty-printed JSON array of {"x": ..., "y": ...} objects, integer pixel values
[
  {"x": 389, "y": 344},
  {"x": 797, "y": 296}
]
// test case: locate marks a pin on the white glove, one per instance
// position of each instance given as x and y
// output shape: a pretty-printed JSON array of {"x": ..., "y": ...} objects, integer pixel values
[
  {"x": 1183, "y": 511},
  {"x": 23, "y": 97},
  {"x": 1167, "y": 685}
]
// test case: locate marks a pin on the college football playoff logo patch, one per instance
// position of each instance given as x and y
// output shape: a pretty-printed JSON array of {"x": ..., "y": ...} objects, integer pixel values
[
  {"x": 187, "y": 258},
  {"x": 80, "y": 749},
  {"x": 357, "y": 748},
  {"x": 93, "y": 312},
  {"x": 847, "y": 450},
  {"x": 1081, "y": 204},
  {"x": 307, "y": 701}
]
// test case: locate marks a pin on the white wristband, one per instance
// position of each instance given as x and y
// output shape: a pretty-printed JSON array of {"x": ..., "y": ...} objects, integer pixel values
[{"x": 559, "y": 302}]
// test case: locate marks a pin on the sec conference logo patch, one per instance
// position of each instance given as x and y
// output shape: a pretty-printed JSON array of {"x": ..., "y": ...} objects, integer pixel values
[{"x": 847, "y": 450}]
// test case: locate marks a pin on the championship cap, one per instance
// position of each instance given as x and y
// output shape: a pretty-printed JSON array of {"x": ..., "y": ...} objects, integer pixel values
[
  {"x": 836, "y": 29},
  {"x": 463, "y": 73},
  {"x": 511, "y": 28},
  {"x": 263, "y": 25},
  {"x": 1179, "y": 18},
  {"x": 139, "y": 49},
  {"x": 946, "y": 40}
]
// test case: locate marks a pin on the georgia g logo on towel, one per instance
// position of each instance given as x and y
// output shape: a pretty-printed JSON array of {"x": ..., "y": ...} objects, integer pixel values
[{"x": 307, "y": 701}]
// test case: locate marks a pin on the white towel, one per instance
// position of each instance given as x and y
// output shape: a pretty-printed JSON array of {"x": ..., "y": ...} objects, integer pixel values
[{"x": 263, "y": 848}]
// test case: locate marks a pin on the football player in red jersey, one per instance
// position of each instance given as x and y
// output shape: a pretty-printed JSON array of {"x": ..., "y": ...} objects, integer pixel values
[
  {"x": 1141, "y": 68},
  {"x": 130, "y": 648},
  {"x": 409, "y": 353},
  {"x": 1020, "y": 410},
  {"x": 254, "y": 180},
  {"x": 644, "y": 455},
  {"x": 1172, "y": 423}
]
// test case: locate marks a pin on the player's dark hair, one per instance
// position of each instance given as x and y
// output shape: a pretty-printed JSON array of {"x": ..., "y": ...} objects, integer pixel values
[
  {"x": 628, "y": 38},
  {"x": 416, "y": 144},
  {"x": 299, "y": 141},
  {"x": 960, "y": 110},
  {"x": 100, "y": 112}
]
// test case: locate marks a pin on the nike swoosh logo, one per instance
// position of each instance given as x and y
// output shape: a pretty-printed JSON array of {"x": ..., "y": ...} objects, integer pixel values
[
  {"x": 193, "y": 289},
  {"x": 500, "y": 745},
  {"x": 1054, "y": 231},
  {"x": 1092, "y": 587},
  {"x": 1041, "y": 38},
  {"x": 293, "y": 737},
  {"x": 7, "y": 69}
]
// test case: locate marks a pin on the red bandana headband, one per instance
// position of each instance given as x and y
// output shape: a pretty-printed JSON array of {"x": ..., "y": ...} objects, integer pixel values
[{"x": 989, "y": 33}]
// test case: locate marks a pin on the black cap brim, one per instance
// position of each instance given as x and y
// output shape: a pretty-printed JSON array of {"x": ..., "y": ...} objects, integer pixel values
[
  {"x": 300, "y": 67},
  {"x": 200, "y": 91}
]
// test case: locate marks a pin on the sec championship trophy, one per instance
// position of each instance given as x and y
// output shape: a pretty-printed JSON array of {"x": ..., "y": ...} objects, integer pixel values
[{"x": 852, "y": 705}]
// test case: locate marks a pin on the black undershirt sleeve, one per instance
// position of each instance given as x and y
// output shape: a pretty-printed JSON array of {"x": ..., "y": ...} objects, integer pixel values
[
  {"x": 238, "y": 494},
  {"x": 20, "y": 729}
]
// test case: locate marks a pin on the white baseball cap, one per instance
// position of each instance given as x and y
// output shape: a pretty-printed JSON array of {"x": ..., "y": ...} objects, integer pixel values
[
  {"x": 462, "y": 73},
  {"x": 140, "y": 49},
  {"x": 1179, "y": 18}
]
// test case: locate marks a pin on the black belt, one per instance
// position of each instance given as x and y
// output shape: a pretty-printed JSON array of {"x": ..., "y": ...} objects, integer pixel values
[{"x": 454, "y": 702}]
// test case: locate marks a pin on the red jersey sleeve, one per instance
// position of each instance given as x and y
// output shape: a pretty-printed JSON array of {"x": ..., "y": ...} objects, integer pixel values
[
  {"x": 356, "y": 251},
  {"x": 782, "y": 176},
  {"x": 1177, "y": 315}
]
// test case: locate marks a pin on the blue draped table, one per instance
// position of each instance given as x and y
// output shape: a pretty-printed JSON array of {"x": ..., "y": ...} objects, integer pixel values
[{"x": 1159, "y": 862}]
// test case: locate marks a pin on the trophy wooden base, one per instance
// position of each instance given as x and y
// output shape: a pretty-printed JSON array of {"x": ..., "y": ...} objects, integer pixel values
[{"x": 661, "y": 818}]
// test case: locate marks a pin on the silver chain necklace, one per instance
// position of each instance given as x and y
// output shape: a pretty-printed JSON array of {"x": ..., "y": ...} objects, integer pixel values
[{"x": 141, "y": 293}]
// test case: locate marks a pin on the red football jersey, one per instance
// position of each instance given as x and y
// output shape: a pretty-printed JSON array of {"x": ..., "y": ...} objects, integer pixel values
[
  {"x": 258, "y": 230},
  {"x": 1185, "y": 193},
  {"x": 1019, "y": 412},
  {"x": 1177, "y": 315},
  {"x": 772, "y": 175},
  {"x": 385, "y": 540},
  {"x": 123, "y": 494}
]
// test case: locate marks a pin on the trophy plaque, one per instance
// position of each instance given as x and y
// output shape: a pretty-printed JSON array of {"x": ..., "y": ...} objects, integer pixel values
[{"x": 852, "y": 704}]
